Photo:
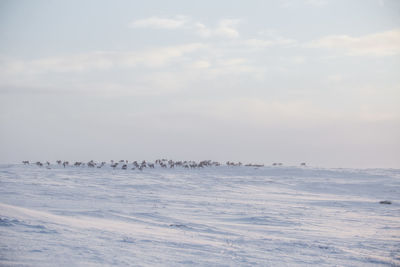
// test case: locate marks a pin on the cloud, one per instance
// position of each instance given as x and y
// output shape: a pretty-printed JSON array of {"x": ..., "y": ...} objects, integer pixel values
[
  {"x": 378, "y": 44},
  {"x": 151, "y": 58},
  {"x": 335, "y": 78},
  {"x": 261, "y": 43},
  {"x": 105, "y": 72},
  {"x": 296, "y": 3},
  {"x": 261, "y": 111},
  {"x": 235, "y": 66},
  {"x": 225, "y": 28},
  {"x": 201, "y": 64},
  {"x": 160, "y": 23},
  {"x": 258, "y": 43},
  {"x": 316, "y": 2}
]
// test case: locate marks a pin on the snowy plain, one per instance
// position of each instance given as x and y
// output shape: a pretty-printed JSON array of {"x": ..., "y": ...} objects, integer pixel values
[{"x": 215, "y": 216}]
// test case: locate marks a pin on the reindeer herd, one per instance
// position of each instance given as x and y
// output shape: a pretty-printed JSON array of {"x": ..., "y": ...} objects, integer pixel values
[
  {"x": 140, "y": 165},
  {"x": 133, "y": 165}
]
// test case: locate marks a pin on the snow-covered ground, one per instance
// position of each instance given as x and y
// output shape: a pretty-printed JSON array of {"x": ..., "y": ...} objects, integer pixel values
[{"x": 216, "y": 216}]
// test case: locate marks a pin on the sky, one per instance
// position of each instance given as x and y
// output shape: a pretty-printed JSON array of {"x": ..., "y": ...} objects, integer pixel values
[{"x": 313, "y": 81}]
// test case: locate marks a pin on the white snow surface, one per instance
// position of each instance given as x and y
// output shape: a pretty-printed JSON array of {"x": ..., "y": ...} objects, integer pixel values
[{"x": 215, "y": 216}]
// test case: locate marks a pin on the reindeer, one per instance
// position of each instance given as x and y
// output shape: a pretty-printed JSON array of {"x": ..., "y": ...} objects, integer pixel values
[
  {"x": 178, "y": 163},
  {"x": 91, "y": 164},
  {"x": 25, "y": 162},
  {"x": 114, "y": 165}
]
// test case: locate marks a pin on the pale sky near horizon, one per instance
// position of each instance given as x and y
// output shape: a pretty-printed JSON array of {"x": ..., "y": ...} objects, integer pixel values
[{"x": 313, "y": 81}]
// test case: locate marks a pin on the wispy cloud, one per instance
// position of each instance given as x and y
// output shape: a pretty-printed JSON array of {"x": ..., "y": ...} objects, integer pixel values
[
  {"x": 316, "y": 2},
  {"x": 225, "y": 28},
  {"x": 151, "y": 58},
  {"x": 160, "y": 23},
  {"x": 262, "y": 43},
  {"x": 296, "y": 3},
  {"x": 378, "y": 44},
  {"x": 260, "y": 111}
]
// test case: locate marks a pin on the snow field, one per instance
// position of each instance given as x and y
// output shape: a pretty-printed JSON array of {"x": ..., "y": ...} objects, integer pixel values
[{"x": 217, "y": 216}]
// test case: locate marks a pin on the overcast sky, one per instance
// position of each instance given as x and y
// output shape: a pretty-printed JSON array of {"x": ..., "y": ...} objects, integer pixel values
[{"x": 313, "y": 81}]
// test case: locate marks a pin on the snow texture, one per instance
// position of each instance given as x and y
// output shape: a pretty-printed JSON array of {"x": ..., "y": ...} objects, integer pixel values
[{"x": 215, "y": 216}]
